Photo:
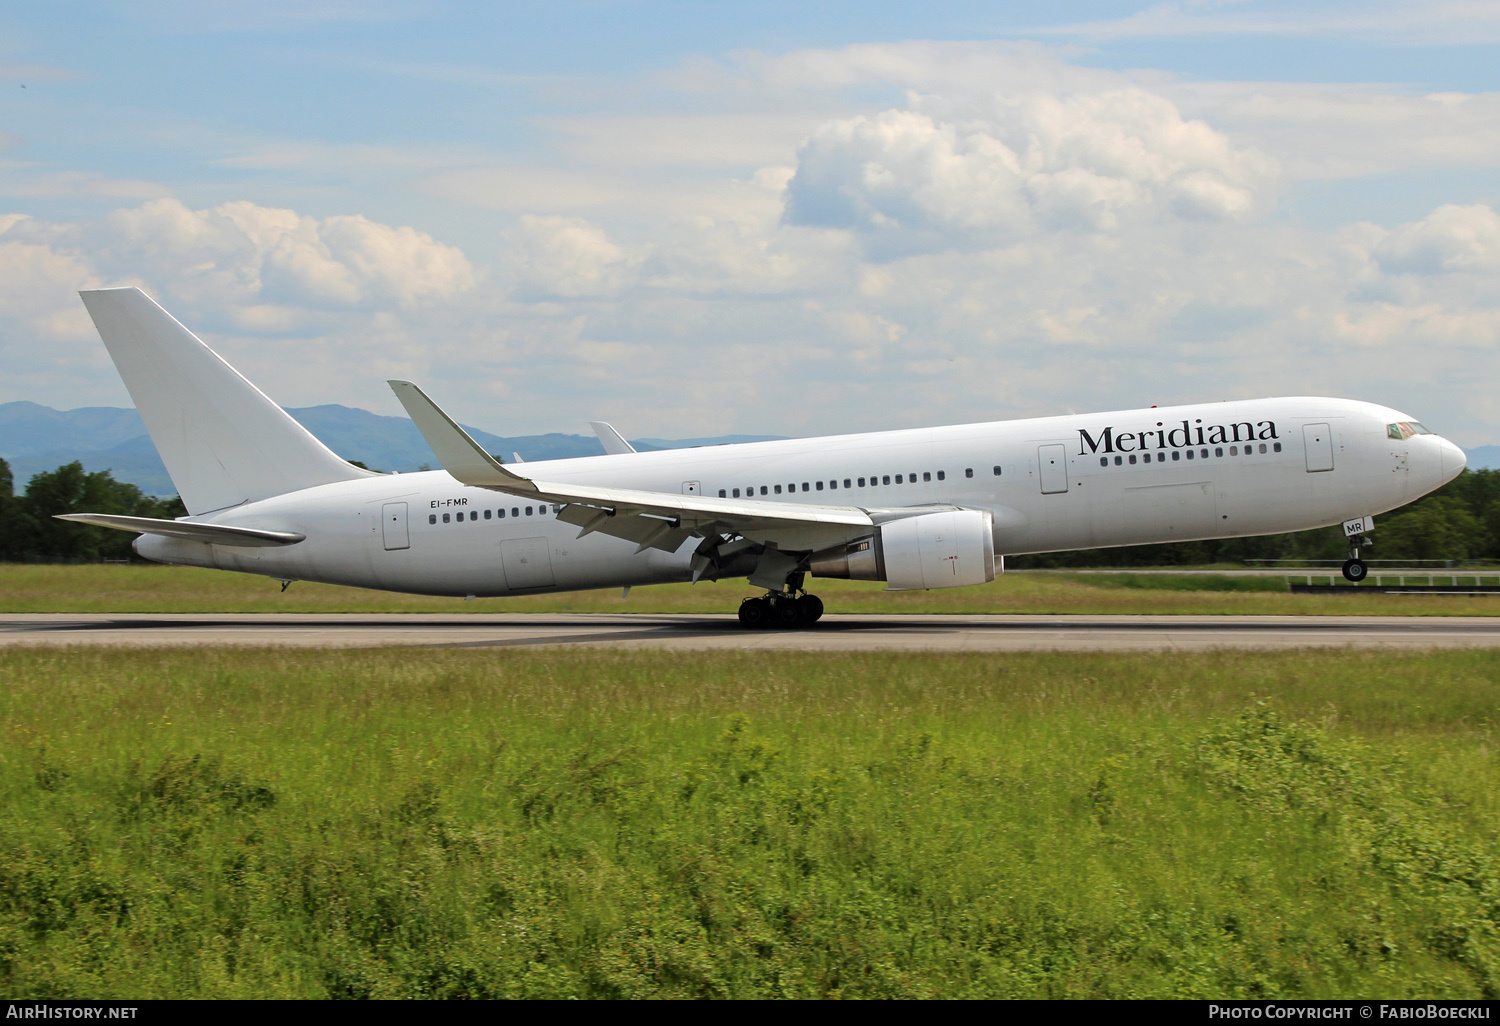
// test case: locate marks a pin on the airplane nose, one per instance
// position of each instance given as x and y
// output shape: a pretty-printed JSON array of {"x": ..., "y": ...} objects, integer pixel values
[{"x": 1454, "y": 460}]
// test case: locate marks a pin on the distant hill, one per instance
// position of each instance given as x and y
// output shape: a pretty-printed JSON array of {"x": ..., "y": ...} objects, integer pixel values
[
  {"x": 36, "y": 438},
  {"x": 1484, "y": 457}
]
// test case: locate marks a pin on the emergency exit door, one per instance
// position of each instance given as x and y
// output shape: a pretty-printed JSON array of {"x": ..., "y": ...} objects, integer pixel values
[
  {"x": 393, "y": 526},
  {"x": 1053, "y": 461},
  {"x": 1317, "y": 441}
]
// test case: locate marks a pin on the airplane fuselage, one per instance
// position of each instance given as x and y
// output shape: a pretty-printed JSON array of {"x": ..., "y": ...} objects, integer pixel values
[{"x": 1184, "y": 473}]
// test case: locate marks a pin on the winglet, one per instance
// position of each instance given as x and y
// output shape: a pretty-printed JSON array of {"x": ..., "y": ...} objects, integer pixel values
[
  {"x": 459, "y": 454},
  {"x": 614, "y": 443}
]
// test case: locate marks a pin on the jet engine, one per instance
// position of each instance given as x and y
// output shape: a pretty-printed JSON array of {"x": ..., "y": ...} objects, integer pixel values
[{"x": 948, "y": 549}]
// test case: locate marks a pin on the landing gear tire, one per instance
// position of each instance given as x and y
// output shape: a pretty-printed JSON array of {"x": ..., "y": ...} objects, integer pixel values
[
  {"x": 786, "y": 613},
  {"x": 754, "y": 613},
  {"x": 811, "y": 608},
  {"x": 1355, "y": 570}
]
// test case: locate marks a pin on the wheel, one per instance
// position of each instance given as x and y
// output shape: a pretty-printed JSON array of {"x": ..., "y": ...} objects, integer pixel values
[
  {"x": 754, "y": 613},
  {"x": 811, "y": 607},
  {"x": 1355, "y": 570},
  {"x": 786, "y": 613}
]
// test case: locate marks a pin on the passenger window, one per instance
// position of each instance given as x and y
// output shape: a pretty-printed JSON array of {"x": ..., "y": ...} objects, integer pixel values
[
  {"x": 487, "y": 514},
  {"x": 1189, "y": 452},
  {"x": 736, "y": 493},
  {"x": 847, "y": 484},
  {"x": 926, "y": 475},
  {"x": 861, "y": 482},
  {"x": 1103, "y": 461},
  {"x": 515, "y": 511},
  {"x": 886, "y": 479},
  {"x": 500, "y": 513},
  {"x": 1132, "y": 461},
  {"x": 968, "y": 472},
  {"x": 1203, "y": 453},
  {"x": 1145, "y": 457},
  {"x": 1262, "y": 446},
  {"x": 942, "y": 475},
  {"x": 898, "y": 478},
  {"x": 778, "y": 489},
  {"x": 473, "y": 514},
  {"x": 1118, "y": 461},
  {"x": 833, "y": 486},
  {"x": 804, "y": 486},
  {"x": 722, "y": 495},
  {"x": 1177, "y": 455},
  {"x": 997, "y": 471},
  {"x": 445, "y": 518},
  {"x": 820, "y": 486},
  {"x": 432, "y": 518},
  {"x": 1275, "y": 446},
  {"x": 1219, "y": 452},
  {"x": 763, "y": 489},
  {"x": 792, "y": 487},
  {"x": 1234, "y": 450},
  {"x": 528, "y": 511}
]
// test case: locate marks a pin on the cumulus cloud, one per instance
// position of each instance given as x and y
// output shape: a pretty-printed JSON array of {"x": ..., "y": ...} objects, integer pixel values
[
  {"x": 1451, "y": 238},
  {"x": 1018, "y": 165},
  {"x": 243, "y": 254},
  {"x": 567, "y": 256}
]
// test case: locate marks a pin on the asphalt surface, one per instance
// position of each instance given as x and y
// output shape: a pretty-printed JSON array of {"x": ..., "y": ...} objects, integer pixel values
[{"x": 834, "y": 633}]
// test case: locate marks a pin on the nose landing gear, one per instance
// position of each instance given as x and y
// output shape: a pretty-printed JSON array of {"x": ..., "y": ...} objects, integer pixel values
[{"x": 1355, "y": 568}]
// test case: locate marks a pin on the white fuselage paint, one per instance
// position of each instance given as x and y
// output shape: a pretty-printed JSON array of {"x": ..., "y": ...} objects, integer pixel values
[{"x": 1241, "y": 488}]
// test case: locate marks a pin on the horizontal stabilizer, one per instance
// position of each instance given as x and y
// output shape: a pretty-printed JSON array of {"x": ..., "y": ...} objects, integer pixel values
[{"x": 214, "y": 534}]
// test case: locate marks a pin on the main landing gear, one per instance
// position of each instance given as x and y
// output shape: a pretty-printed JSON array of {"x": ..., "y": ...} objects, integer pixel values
[{"x": 783, "y": 609}]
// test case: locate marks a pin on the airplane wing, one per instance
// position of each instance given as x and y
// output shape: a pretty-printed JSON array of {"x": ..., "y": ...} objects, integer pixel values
[
  {"x": 660, "y": 520},
  {"x": 614, "y": 443},
  {"x": 217, "y": 534}
]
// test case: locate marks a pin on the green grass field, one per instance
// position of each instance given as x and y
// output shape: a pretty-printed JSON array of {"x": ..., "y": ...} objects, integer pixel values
[
  {"x": 161, "y": 589},
  {"x": 228, "y": 823}
]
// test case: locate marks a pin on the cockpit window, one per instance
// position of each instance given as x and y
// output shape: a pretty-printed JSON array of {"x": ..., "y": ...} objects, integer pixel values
[{"x": 1405, "y": 429}]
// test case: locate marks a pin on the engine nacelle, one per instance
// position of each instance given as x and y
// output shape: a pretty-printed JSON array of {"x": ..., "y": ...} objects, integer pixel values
[{"x": 950, "y": 549}]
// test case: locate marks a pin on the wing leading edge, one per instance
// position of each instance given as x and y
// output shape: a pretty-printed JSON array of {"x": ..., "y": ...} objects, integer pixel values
[{"x": 659, "y": 520}]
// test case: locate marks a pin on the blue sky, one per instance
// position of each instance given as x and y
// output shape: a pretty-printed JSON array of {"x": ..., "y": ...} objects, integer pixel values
[{"x": 702, "y": 218}]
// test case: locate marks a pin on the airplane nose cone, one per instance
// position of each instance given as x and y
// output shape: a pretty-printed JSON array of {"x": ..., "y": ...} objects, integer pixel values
[{"x": 1454, "y": 460}]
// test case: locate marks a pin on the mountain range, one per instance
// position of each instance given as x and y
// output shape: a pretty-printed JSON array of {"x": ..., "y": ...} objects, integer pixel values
[{"x": 36, "y": 438}]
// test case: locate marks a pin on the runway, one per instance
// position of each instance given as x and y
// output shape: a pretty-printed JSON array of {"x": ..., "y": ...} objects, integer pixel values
[{"x": 835, "y": 633}]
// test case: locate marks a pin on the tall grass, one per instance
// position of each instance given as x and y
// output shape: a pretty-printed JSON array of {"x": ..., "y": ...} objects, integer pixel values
[
  {"x": 161, "y": 589},
  {"x": 465, "y": 824}
]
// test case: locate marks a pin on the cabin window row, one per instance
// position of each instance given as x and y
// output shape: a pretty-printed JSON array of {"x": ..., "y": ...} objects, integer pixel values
[
  {"x": 1177, "y": 454},
  {"x": 498, "y": 514},
  {"x": 833, "y": 485}
]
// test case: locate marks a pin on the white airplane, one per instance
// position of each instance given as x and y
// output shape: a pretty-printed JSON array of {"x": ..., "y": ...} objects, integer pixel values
[{"x": 919, "y": 509}]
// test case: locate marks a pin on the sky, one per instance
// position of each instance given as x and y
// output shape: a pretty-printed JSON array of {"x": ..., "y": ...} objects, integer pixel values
[{"x": 695, "y": 219}]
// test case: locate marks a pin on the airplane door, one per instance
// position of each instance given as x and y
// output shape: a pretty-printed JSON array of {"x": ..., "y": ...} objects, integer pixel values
[
  {"x": 691, "y": 488},
  {"x": 1053, "y": 459},
  {"x": 1317, "y": 441},
  {"x": 527, "y": 562},
  {"x": 393, "y": 526}
]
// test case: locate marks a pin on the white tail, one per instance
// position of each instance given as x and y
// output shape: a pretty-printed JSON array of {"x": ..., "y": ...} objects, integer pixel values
[{"x": 223, "y": 441}]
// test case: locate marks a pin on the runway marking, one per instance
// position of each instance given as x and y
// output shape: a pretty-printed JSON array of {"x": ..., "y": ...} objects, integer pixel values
[{"x": 846, "y": 632}]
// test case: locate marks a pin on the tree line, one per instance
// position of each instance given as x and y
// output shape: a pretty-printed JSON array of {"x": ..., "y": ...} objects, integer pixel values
[
  {"x": 29, "y": 534},
  {"x": 1461, "y": 520}
]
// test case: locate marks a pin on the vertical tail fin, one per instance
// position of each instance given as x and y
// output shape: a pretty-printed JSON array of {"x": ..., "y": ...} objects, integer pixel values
[{"x": 223, "y": 441}]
